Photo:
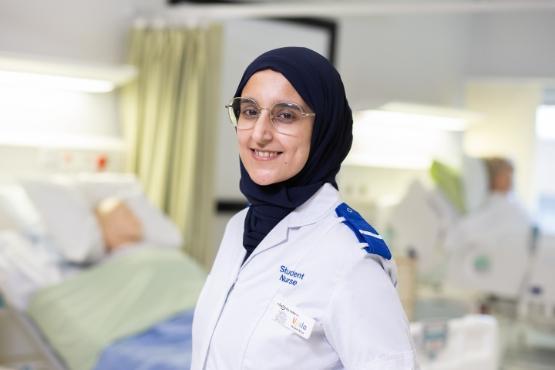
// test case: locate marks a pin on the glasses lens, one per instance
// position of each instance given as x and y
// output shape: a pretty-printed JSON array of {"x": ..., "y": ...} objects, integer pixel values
[
  {"x": 286, "y": 113},
  {"x": 233, "y": 111},
  {"x": 246, "y": 111}
]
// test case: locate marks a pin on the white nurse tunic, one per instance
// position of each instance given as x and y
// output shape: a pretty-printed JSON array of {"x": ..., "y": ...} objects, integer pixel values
[{"x": 309, "y": 297}]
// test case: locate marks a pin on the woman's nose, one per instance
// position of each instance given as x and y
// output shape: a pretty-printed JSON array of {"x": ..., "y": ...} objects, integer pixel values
[{"x": 263, "y": 129}]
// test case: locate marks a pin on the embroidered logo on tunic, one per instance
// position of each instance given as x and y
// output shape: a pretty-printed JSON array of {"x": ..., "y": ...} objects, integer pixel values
[{"x": 289, "y": 276}]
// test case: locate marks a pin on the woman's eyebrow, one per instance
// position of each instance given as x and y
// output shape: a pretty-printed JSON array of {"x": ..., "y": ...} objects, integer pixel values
[{"x": 279, "y": 101}]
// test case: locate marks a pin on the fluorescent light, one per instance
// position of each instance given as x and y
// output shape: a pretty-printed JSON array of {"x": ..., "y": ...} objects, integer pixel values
[
  {"x": 44, "y": 81},
  {"x": 545, "y": 122},
  {"x": 59, "y": 140},
  {"x": 42, "y": 72},
  {"x": 440, "y": 117},
  {"x": 402, "y": 119},
  {"x": 408, "y": 139},
  {"x": 391, "y": 145},
  {"x": 431, "y": 110},
  {"x": 386, "y": 161}
]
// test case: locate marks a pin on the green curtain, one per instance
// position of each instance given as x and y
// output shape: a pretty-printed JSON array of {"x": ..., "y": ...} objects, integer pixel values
[{"x": 170, "y": 123}]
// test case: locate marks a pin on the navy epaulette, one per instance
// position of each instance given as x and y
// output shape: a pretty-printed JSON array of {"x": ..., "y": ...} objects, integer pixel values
[{"x": 365, "y": 233}]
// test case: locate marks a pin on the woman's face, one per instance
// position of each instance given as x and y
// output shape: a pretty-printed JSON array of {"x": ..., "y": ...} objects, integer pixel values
[{"x": 268, "y": 155}]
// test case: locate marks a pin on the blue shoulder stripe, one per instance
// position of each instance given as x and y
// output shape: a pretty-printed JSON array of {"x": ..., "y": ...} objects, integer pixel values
[{"x": 364, "y": 232}]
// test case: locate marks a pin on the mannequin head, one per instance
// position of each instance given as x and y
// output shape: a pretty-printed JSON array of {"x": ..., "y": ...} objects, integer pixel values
[{"x": 500, "y": 171}]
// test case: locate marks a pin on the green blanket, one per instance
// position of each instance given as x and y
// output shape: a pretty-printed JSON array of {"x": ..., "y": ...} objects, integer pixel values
[{"x": 121, "y": 297}]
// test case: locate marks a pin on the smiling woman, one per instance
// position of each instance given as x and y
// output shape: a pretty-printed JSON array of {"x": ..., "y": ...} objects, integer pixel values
[
  {"x": 291, "y": 286},
  {"x": 269, "y": 155}
]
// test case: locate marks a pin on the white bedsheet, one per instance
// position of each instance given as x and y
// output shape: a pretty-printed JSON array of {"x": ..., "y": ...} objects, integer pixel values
[{"x": 25, "y": 267}]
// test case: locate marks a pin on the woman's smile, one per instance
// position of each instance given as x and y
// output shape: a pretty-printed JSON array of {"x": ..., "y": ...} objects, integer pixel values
[{"x": 265, "y": 155}]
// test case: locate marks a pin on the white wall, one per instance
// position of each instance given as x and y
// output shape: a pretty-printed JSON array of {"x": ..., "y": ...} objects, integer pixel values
[
  {"x": 91, "y": 31},
  {"x": 512, "y": 45},
  {"x": 417, "y": 58}
]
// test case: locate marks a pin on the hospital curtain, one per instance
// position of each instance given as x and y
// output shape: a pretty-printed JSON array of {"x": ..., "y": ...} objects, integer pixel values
[{"x": 170, "y": 120}]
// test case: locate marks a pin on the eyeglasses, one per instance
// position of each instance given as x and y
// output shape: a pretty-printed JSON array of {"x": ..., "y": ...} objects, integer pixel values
[{"x": 285, "y": 117}]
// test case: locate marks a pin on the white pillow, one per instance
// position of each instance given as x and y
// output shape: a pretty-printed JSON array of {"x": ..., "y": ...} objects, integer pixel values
[
  {"x": 98, "y": 186},
  {"x": 158, "y": 229},
  {"x": 17, "y": 211},
  {"x": 24, "y": 268},
  {"x": 68, "y": 218}
]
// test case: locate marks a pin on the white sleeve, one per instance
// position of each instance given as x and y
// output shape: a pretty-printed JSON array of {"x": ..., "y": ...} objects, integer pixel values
[{"x": 365, "y": 322}]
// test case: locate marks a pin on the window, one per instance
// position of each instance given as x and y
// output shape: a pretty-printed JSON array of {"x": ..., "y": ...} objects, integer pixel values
[{"x": 545, "y": 135}]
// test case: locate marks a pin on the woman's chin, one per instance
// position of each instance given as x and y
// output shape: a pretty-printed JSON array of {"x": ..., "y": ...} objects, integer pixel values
[
  {"x": 263, "y": 181},
  {"x": 264, "y": 178}
]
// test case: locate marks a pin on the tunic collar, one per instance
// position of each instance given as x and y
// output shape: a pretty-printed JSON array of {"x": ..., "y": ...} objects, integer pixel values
[{"x": 314, "y": 209}]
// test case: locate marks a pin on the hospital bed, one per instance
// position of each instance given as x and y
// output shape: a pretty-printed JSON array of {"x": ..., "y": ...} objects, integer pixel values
[
  {"x": 464, "y": 237},
  {"x": 489, "y": 258},
  {"x": 71, "y": 306},
  {"x": 22, "y": 345}
]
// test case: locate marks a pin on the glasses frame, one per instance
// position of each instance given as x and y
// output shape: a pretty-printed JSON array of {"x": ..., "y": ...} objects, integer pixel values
[{"x": 235, "y": 120}]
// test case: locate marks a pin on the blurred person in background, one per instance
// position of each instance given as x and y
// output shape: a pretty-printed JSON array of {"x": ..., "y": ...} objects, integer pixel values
[
  {"x": 500, "y": 174},
  {"x": 488, "y": 247}
]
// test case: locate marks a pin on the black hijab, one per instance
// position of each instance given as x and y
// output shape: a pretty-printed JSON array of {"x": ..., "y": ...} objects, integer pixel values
[{"x": 320, "y": 86}]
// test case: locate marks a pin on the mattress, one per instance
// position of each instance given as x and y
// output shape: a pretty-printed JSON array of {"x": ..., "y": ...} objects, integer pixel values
[
  {"x": 165, "y": 346},
  {"x": 120, "y": 298}
]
